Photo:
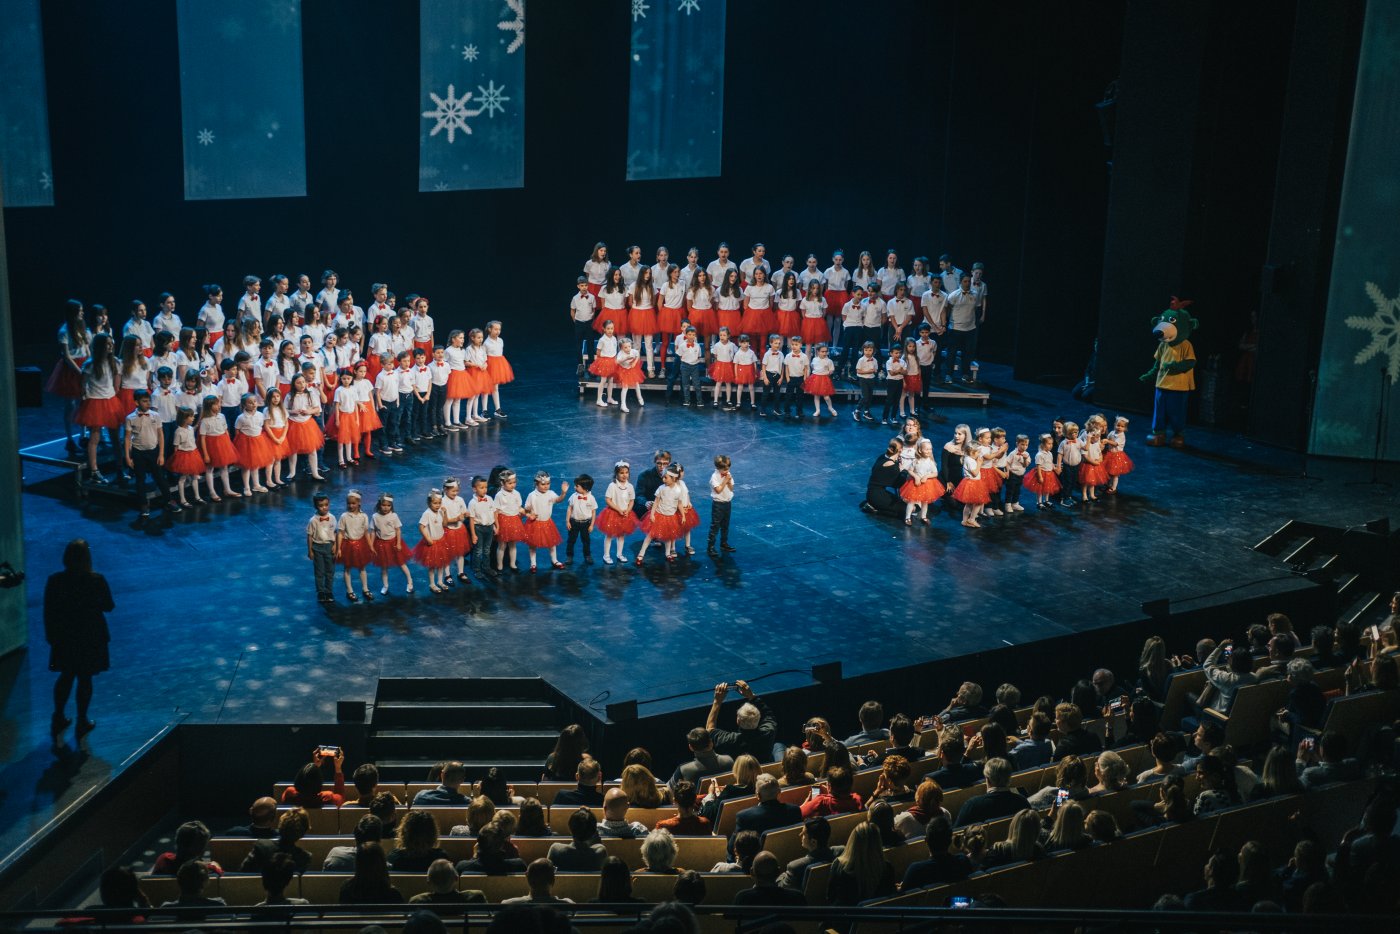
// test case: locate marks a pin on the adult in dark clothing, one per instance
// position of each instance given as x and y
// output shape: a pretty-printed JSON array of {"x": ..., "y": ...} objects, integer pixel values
[
  {"x": 1306, "y": 704},
  {"x": 370, "y": 884},
  {"x": 584, "y": 853},
  {"x": 769, "y": 812},
  {"x": 587, "y": 794},
  {"x": 446, "y": 794},
  {"x": 758, "y": 728},
  {"x": 492, "y": 858},
  {"x": 1221, "y": 872},
  {"x": 705, "y": 760},
  {"x": 886, "y": 477},
  {"x": 1074, "y": 739},
  {"x": 76, "y": 600},
  {"x": 292, "y": 826},
  {"x": 901, "y": 739},
  {"x": 649, "y": 481},
  {"x": 766, "y": 890},
  {"x": 955, "y": 773},
  {"x": 816, "y": 840},
  {"x": 965, "y": 704},
  {"x": 941, "y": 866},
  {"x": 999, "y": 800}
]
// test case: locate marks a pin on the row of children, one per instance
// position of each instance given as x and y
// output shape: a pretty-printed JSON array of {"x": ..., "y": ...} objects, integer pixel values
[
  {"x": 836, "y": 306},
  {"x": 486, "y": 528},
  {"x": 733, "y": 366},
  {"x": 984, "y": 471}
]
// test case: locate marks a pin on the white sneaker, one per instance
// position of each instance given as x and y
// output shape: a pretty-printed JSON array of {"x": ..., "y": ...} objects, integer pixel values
[
  {"x": 384, "y": 591},
  {"x": 602, "y": 404}
]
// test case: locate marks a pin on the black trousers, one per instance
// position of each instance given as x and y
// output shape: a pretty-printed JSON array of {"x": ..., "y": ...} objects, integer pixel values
[
  {"x": 885, "y": 502},
  {"x": 894, "y": 392},
  {"x": 1011, "y": 492},
  {"x": 719, "y": 522},
  {"x": 1069, "y": 480},
  {"x": 772, "y": 390},
  {"x": 143, "y": 464},
  {"x": 578, "y": 528},
  {"x": 867, "y": 394},
  {"x": 792, "y": 394}
]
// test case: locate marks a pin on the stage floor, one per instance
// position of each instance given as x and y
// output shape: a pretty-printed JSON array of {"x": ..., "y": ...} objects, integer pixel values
[{"x": 217, "y": 620}]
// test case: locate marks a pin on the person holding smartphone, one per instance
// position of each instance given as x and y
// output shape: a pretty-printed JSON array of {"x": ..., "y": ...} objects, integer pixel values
[{"x": 308, "y": 789}]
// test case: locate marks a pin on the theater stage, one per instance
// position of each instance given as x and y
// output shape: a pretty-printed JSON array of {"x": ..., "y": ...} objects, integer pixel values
[{"x": 217, "y": 620}]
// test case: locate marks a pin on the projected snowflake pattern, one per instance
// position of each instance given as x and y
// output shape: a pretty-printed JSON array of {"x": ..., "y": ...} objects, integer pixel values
[
  {"x": 451, "y": 113},
  {"x": 441, "y": 186},
  {"x": 688, "y": 7},
  {"x": 492, "y": 99},
  {"x": 470, "y": 53},
  {"x": 205, "y": 137},
  {"x": 501, "y": 140},
  {"x": 639, "y": 9},
  {"x": 516, "y": 25},
  {"x": 1384, "y": 326},
  {"x": 46, "y": 181}
]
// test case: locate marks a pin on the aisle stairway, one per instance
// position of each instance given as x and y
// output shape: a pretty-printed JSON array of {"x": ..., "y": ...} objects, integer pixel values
[
  {"x": 510, "y": 723},
  {"x": 1358, "y": 562}
]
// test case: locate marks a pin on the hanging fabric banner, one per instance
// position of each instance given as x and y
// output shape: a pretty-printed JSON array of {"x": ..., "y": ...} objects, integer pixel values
[
  {"x": 241, "y": 104},
  {"x": 24, "y": 114},
  {"x": 472, "y": 84},
  {"x": 675, "y": 114}
]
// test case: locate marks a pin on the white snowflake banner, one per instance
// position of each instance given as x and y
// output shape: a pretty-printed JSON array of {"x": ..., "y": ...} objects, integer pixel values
[
  {"x": 675, "y": 113},
  {"x": 1359, "y": 364},
  {"x": 241, "y": 106},
  {"x": 25, "y": 156},
  {"x": 472, "y": 79}
]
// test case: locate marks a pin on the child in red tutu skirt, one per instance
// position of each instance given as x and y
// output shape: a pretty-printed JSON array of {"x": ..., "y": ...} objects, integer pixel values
[
  {"x": 186, "y": 463},
  {"x": 431, "y": 552},
  {"x": 304, "y": 436},
  {"x": 497, "y": 366},
  {"x": 509, "y": 527},
  {"x": 665, "y": 521},
  {"x": 255, "y": 450},
  {"x": 923, "y": 486},
  {"x": 641, "y": 315},
  {"x": 346, "y": 427},
  {"x": 216, "y": 448},
  {"x": 352, "y": 545},
  {"x": 721, "y": 368},
  {"x": 368, "y": 408},
  {"x": 1092, "y": 473},
  {"x": 604, "y": 365},
  {"x": 692, "y": 518},
  {"x": 1115, "y": 460},
  {"x": 616, "y": 521},
  {"x": 102, "y": 406},
  {"x": 1043, "y": 478},
  {"x": 819, "y": 385},
  {"x": 455, "y": 536},
  {"x": 745, "y": 372},
  {"x": 387, "y": 549},
  {"x": 971, "y": 491},
  {"x": 629, "y": 372},
  {"x": 540, "y": 530}
]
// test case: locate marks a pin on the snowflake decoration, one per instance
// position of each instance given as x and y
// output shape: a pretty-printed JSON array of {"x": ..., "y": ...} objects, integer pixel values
[
  {"x": 451, "y": 113},
  {"x": 441, "y": 186},
  {"x": 688, "y": 7},
  {"x": 516, "y": 25},
  {"x": 46, "y": 181},
  {"x": 639, "y": 9},
  {"x": 1384, "y": 326},
  {"x": 205, "y": 137},
  {"x": 470, "y": 53},
  {"x": 492, "y": 100},
  {"x": 501, "y": 140}
]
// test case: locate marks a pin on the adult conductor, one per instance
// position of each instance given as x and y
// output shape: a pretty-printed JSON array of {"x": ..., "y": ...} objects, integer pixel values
[
  {"x": 75, "y": 625},
  {"x": 881, "y": 496}
]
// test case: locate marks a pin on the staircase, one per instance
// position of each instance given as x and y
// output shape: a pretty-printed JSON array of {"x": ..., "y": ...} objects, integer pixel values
[
  {"x": 510, "y": 723},
  {"x": 1359, "y": 563}
]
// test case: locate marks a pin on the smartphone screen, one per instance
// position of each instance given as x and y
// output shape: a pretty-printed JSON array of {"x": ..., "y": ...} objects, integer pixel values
[{"x": 959, "y": 901}]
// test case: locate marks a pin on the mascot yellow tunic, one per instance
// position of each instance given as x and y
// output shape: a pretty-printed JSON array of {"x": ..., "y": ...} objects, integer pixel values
[{"x": 1174, "y": 368}]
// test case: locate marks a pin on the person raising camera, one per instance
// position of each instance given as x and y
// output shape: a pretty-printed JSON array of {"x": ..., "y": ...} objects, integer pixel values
[{"x": 308, "y": 788}]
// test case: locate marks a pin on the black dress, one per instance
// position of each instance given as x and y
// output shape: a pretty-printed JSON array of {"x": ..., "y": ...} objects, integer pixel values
[
  {"x": 647, "y": 484},
  {"x": 882, "y": 489},
  {"x": 74, "y": 622}
]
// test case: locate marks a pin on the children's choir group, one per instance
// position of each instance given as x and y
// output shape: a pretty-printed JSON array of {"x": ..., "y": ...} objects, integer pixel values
[
  {"x": 984, "y": 470},
  {"x": 486, "y": 527},
  {"x": 281, "y": 376},
  {"x": 715, "y": 320}
]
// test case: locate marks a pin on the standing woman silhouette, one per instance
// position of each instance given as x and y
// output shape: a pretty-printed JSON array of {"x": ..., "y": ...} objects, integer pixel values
[{"x": 76, "y": 600}]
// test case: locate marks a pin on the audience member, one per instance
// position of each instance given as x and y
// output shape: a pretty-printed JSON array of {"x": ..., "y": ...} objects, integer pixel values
[
  {"x": 262, "y": 821},
  {"x": 689, "y": 890},
  {"x": 641, "y": 788},
  {"x": 835, "y": 797},
  {"x": 533, "y": 822},
  {"x": 191, "y": 840},
  {"x": 767, "y": 890},
  {"x": 1165, "y": 749},
  {"x": 192, "y": 878},
  {"x": 872, "y": 730},
  {"x": 1111, "y": 772},
  {"x": 943, "y": 865},
  {"x": 1279, "y": 777},
  {"x": 1279, "y": 653},
  {"x": 1210, "y": 772},
  {"x": 928, "y": 804},
  {"x": 370, "y": 884},
  {"x": 816, "y": 841},
  {"x": 277, "y": 873},
  {"x": 1102, "y": 826},
  {"x": 416, "y": 847},
  {"x": 998, "y": 801},
  {"x": 366, "y": 779},
  {"x": 1008, "y": 695},
  {"x": 1325, "y": 761},
  {"x": 704, "y": 760},
  {"x": 769, "y": 812},
  {"x": 368, "y": 829},
  {"x": 480, "y": 812},
  {"x": 745, "y": 846},
  {"x": 1022, "y": 841},
  {"x": 448, "y": 793},
  {"x": 1307, "y": 866},
  {"x": 1074, "y": 739},
  {"x": 758, "y": 728},
  {"x": 442, "y": 887},
  {"x": 308, "y": 790},
  {"x": 861, "y": 871},
  {"x": 1228, "y": 669},
  {"x": 954, "y": 773},
  {"x": 1106, "y": 688},
  {"x": 746, "y": 772},
  {"x": 494, "y": 856},
  {"x": 902, "y": 740},
  {"x": 1324, "y": 641},
  {"x": 569, "y": 749},
  {"x": 966, "y": 704},
  {"x": 688, "y": 821},
  {"x": 989, "y": 742},
  {"x": 589, "y": 791},
  {"x": 583, "y": 853},
  {"x": 1067, "y": 831},
  {"x": 291, "y": 827},
  {"x": 1154, "y": 669},
  {"x": 615, "y": 822},
  {"x": 795, "y": 772},
  {"x": 659, "y": 853},
  {"x": 615, "y": 884},
  {"x": 893, "y": 783},
  {"x": 1221, "y": 873},
  {"x": 540, "y": 877},
  {"x": 1256, "y": 883},
  {"x": 1071, "y": 776},
  {"x": 1036, "y": 749}
]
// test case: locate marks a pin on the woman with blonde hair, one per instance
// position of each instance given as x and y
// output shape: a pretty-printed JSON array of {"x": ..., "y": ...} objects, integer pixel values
[
  {"x": 1154, "y": 668},
  {"x": 746, "y": 772},
  {"x": 861, "y": 871},
  {"x": 1067, "y": 833},
  {"x": 1022, "y": 841},
  {"x": 416, "y": 844},
  {"x": 641, "y": 789},
  {"x": 795, "y": 768},
  {"x": 1112, "y": 773}
]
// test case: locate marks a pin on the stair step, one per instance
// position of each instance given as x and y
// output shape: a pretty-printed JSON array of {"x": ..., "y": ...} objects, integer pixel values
[
  {"x": 515, "y": 745},
  {"x": 518, "y": 713},
  {"x": 468, "y": 735},
  {"x": 1300, "y": 554},
  {"x": 391, "y": 689}
]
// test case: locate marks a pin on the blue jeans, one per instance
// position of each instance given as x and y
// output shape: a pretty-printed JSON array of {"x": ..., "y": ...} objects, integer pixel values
[
  {"x": 323, "y": 566},
  {"x": 1169, "y": 411},
  {"x": 404, "y": 430},
  {"x": 481, "y": 550},
  {"x": 690, "y": 381}
]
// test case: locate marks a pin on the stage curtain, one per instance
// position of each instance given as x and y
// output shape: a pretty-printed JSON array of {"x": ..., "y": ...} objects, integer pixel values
[
  {"x": 675, "y": 112},
  {"x": 472, "y": 94},
  {"x": 24, "y": 115}
]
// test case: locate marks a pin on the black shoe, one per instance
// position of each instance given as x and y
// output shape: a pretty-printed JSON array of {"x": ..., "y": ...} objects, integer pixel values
[
  {"x": 711, "y": 552},
  {"x": 730, "y": 549},
  {"x": 59, "y": 723},
  {"x": 84, "y": 728}
]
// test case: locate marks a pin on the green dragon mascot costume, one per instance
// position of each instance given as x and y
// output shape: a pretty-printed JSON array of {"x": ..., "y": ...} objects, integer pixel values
[{"x": 1174, "y": 367}]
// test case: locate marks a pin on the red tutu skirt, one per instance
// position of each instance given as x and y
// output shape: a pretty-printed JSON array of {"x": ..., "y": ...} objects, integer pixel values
[
  {"x": 755, "y": 320},
  {"x": 1093, "y": 474},
  {"x": 926, "y": 491},
  {"x": 222, "y": 453},
  {"x": 431, "y": 556},
  {"x": 914, "y": 382},
  {"x": 460, "y": 384},
  {"x": 705, "y": 320},
  {"x": 814, "y": 331},
  {"x": 102, "y": 413},
  {"x": 971, "y": 492},
  {"x": 818, "y": 386},
  {"x": 663, "y": 528},
  {"x": 425, "y": 346},
  {"x": 128, "y": 400},
  {"x": 254, "y": 451},
  {"x": 618, "y": 316},
  {"x": 499, "y": 371},
  {"x": 388, "y": 552},
  {"x": 691, "y": 520},
  {"x": 344, "y": 427},
  {"x": 616, "y": 524},
  {"x": 603, "y": 367},
  {"x": 836, "y": 300},
  {"x": 641, "y": 320},
  {"x": 280, "y": 449},
  {"x": 1046, "y": 482},
  {"x": 721, "y": 371},
  {"x": 631, "y": 375},
  {"x": 64, "y": 381},
  {"x": 369, "y": 418},
  {"x": 1117, "y": 463},
  {"x": 668, "y": 320},
  {"x": 541, "y": 533},
  {"x": 304, "y": 437},
  {"x": 372, "y": 368},
  {"x": 456, "y": 540},
  {"x": 992, "y": 479},
  {"x": 481, "y": 383},
  {"x": 745, "y": 374},
  {"x": 509, "y": 528},
  {"x": 187, "y": 463},
  {"x": 730, "y": 319},
  {"x": 789, "y": 324},
  {"x": 356, "y": 552}
]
